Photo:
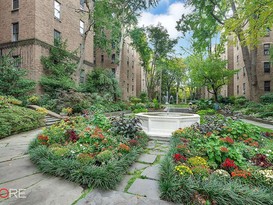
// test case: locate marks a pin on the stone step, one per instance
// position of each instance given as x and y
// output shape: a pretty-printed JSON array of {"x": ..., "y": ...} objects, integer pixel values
[{"x": 164, "y": 139}]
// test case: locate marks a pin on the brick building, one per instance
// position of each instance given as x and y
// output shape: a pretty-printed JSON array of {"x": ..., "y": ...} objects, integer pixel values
[
  {"x": 131, "y": 78},
  {"x": 239, "y": 85},
  {"x": 28, "y": 29}
]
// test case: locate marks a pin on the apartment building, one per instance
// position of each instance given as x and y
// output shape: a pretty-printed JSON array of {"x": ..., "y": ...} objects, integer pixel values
[
  {"x": 131, "y": 76},
  {"x": 239, "y": 85},
  {"x": 28, "y": 29},
  {"x": 263, "y": 69}
]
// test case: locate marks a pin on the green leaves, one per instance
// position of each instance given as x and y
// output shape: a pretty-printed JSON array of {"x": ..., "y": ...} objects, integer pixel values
[{"x": 13, "y": 80}]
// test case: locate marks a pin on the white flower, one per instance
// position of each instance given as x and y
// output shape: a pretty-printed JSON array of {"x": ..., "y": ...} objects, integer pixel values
[
  {"x": 72, "y": 152},
  {"x": 80, "y": 145},
  {"x": 256, "y": 149},
  {"x": 267, "y": 155},
  {"x": 269, "y": 151}
]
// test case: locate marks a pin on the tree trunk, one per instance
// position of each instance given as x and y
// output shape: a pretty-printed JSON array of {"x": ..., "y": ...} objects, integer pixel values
[
  {"x": 121, "y": 45},
  {"x": 90, "y": 7},
  {"x": 250, "y": 61},
  {"x": 177, "y": 89}
]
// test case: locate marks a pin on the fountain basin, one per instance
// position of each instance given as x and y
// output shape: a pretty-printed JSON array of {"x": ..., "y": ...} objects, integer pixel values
[{"x": 160, "y": 124}]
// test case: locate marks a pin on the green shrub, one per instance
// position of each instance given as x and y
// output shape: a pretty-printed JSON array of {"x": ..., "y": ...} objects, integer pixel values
[
  {"x": 144, "y": 97},
  {"x": 240, "y": 101},
  {"x": 59, "y": 67},
  {"x": 15, "y": 119},
  {"x": 103, "y": 81},
  {"x": 267, "y": 98},
  {"x": 135, "y": 100},
  {"x": 206, "y": 112},
  {"x": 125, "y": 126},
  {"x": 13, "y": 80},
  {"x": 156, "y": 104}
]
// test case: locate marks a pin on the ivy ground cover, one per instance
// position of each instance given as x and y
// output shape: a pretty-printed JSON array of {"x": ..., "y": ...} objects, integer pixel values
[
  {"x": 80, "y": 151},
  {"x": 222, "y": 161}
]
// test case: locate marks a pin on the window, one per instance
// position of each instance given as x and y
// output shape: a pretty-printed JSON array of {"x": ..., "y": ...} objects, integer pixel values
[
  {"x": 114, "y": 71},
  {"x": 238, "y": 89},
  {"x": 15, "y": 31},
  {"x": 266, "y": 49},
  {"x": 237, "y": 59},
  {"x": 267, "y": 86},
  {"x": 15, "y": 4},
  {"x": 94, "y": 58},
  {"x": 127, "y": 61},
  {"x": 113, "y": 58},
  {"x": 102, "y": 58},
  {"x": 237, "y": 75},
  {"x": 133, "y": 88},
  {"x": 82, "y": 76},
  {"x": 57, "y": 10},
  {"x": 127, "y": 74},
  {"x": 133, "y": 64},
  {"x": 81, "y": 27},
  {"x": 57, "y": 37},
  {"x": 244, "y": 88},
  {"x": 133, "y": 77},
  {"x": 244, "y": 71},
  {"x": 16, "y": 61},
  {"x": 127, "y": 87},
  {"x": 267, "y": 67},
  {"x": 82, "y": 4}
]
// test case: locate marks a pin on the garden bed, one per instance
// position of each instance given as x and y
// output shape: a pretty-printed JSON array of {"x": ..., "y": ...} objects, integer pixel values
[
  {"x": 219, "y": 162},
  {"x": 78, "y": 150},
  {"x": 15, "y": 119}
]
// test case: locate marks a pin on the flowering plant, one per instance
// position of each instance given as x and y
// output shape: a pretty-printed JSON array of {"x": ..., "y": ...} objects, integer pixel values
[
  {"x": 197, "y": 161},
  {"x": 42, "y": 110},
  {"x": 229, "y": 165},
  {"x": 43, "y": 139},
  {"x": 240, "y": 173},
  {"x": 179, "y": 158},
  {"x": 228, "y": 140},
  {"x": 67, "y": 110},
  {"x": 183, "y": 170}
]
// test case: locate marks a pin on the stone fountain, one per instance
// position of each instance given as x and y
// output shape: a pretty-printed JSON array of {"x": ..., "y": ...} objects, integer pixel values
[{"x": 162, "y": 124}]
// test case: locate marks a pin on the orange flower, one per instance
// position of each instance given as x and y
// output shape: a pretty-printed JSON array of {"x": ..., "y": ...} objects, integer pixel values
[
  {"x": 124, "y": 147},
  {"x": 209, "y": 134},
  {"x": 224, "y": 149},
  {"x": 240, "y": 173}
]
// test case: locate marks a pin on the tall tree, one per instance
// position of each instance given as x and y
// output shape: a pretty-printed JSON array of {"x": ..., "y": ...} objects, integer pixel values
[
  {"x": 210, "y": 72},
  {"x": 153, "y": 44},
  {"x": 126, "y": 13},
  {"x": 247, "y": 20}
]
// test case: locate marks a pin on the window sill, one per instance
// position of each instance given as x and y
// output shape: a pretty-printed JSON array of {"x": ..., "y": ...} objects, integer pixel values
[
  {"x": 14, "y": 10},
  {"x": 59, "y": 20}
]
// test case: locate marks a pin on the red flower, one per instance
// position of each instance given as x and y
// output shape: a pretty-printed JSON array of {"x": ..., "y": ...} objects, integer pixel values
[
  {"x": 133, "y": 142},
  {"x": 227, "y": 140},
  {"x": 228, "y": 165},
  {"x": 43, "y": 139},
  {"x": 179, "y": 158}
]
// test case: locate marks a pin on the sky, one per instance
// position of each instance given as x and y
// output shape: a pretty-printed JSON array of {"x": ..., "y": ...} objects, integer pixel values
[{"x": 167, "y": 13}]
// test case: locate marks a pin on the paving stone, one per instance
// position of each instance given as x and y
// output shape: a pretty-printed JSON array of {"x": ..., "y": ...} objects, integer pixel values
[
  {"x": 151, "y": 144},
  {"x": 157, "y": 152},
  {"x": 98, "y": 197},
  {"x": 147, "y": 158},
  {"x": 52, "y": 191},
  {"x": 137, "y": 166},
  {"x": 145, "y": 187},
  {"x": 16, "y": 169},
  {"x": 124, "y": 183},
  {"x": 3, "y": 145},
  {"x": 151, "y": 172}
]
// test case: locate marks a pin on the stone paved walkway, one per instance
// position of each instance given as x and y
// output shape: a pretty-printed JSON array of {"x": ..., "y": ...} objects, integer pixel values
[
  {"x": 139, "y": 186},
  {"x": 17, "y": 172},
  {"x": 268, "y": 126}
]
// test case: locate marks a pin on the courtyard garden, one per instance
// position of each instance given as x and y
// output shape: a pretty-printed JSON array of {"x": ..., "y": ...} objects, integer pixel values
[
  {"x": 220, "y": 161},
  {"x": 94, "y": 152}
]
